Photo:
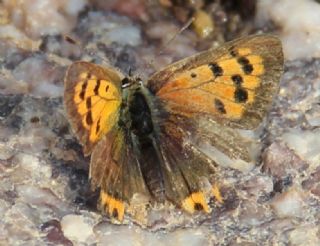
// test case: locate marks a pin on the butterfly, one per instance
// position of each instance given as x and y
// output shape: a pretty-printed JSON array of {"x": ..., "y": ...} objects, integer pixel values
[{"x": 144, "y": 138}]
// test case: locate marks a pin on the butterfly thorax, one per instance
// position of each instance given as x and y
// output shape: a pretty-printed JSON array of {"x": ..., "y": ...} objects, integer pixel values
[
  {"x": 135, "y": 112},
  {"x": 140, "y": 114}
]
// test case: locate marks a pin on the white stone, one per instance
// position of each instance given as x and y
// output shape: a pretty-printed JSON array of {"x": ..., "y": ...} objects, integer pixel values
[
  {"x": 304, "y": 235},
  {"x": 43, "y": 17},
  {"x": 289, "y": 204},
  {"x": 191, "y": 237},
  {"x": 305, "y": 143},
  {"x": 125, "y": 35},
  {"x": 39, "y": 169},
  {"x": 76, "y": 228},
  {"x": 300, "y": 33},
  {"x": 73, "y": 7}
]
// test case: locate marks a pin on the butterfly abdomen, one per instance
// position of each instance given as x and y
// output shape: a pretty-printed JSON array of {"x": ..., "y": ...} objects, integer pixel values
[{"x": 144, "y": 140}]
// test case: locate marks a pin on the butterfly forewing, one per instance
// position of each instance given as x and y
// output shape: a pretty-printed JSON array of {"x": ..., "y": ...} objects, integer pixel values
[
  {"x": 205, "y": 96},
  {"x": 92, "y": 98},
  {"x": 234, "y": 84}
]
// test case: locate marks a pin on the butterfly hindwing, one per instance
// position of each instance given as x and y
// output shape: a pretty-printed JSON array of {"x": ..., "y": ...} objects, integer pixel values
[
  {"x": 185, "y": 166},
  {"x": 115, "y": 169},
  {"x": 92, "y": 98},
  {"x": 234, "y": 84}
]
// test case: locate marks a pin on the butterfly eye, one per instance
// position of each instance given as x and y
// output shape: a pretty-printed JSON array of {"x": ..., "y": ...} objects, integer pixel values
[{"x": 125, "y": 83}]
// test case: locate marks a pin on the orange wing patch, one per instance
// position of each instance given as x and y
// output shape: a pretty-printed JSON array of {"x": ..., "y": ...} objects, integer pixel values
[
  {"x": 114, "y": 207},
  {"x": 92, "y": 97},
  {"x": 244, "y": 51},
  {"x": 195, "y": 202},
  {"x": 223, "y": 87},
  {"x": 216, "y": 193},
  {"x": 97, "y": 102}
]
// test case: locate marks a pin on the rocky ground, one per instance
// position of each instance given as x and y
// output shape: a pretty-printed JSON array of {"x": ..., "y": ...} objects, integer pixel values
[{"x": 45, "y": 198}]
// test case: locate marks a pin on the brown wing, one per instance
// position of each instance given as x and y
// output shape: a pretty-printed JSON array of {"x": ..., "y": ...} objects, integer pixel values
[
  {"x": 233, "y": 84},
  {"x": 115, "y": 169},
  {"x": 92, "y": 99},
  {"x": 203, "y": 97},
  {"x": 185, "y": 166}
]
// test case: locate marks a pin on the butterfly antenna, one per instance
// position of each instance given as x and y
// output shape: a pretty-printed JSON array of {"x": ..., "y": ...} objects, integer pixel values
[
  {"x": 150, "y": 63},
  {"x": 130, "y": 72},
  {"x": 188, "y": 23}
]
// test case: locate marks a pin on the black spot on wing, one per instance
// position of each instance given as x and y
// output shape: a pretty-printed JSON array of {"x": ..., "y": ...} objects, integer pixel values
[
  {"x": 89, "y": 118},
  {"x": 96, "y": 88},
  {"x": 115, "y": 213},
  {"x": 88, "y": 102},
  {"x": 240, "y": 95},
  {"x": 219, "y": 106},
  {"x": 245, "y": 64},
  {"x": 198, "y": 206},
  {"x": 98, "y": 126},
  {"x": 237, "y": 79},
  {"x": 248, "y": 68},
  {"x": 216, "y": 69},
  {"x": 233, "y": 53},
  {"x": 243, "y": 61},
  {"x": 83, "y": 90}
]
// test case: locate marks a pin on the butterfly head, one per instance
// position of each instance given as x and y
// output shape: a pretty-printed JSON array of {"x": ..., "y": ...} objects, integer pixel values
[{"x": 129, "y": 82}]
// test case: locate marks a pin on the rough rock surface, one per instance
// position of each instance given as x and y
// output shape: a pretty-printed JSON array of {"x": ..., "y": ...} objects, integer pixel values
[{"x": 45, "y": 197}]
